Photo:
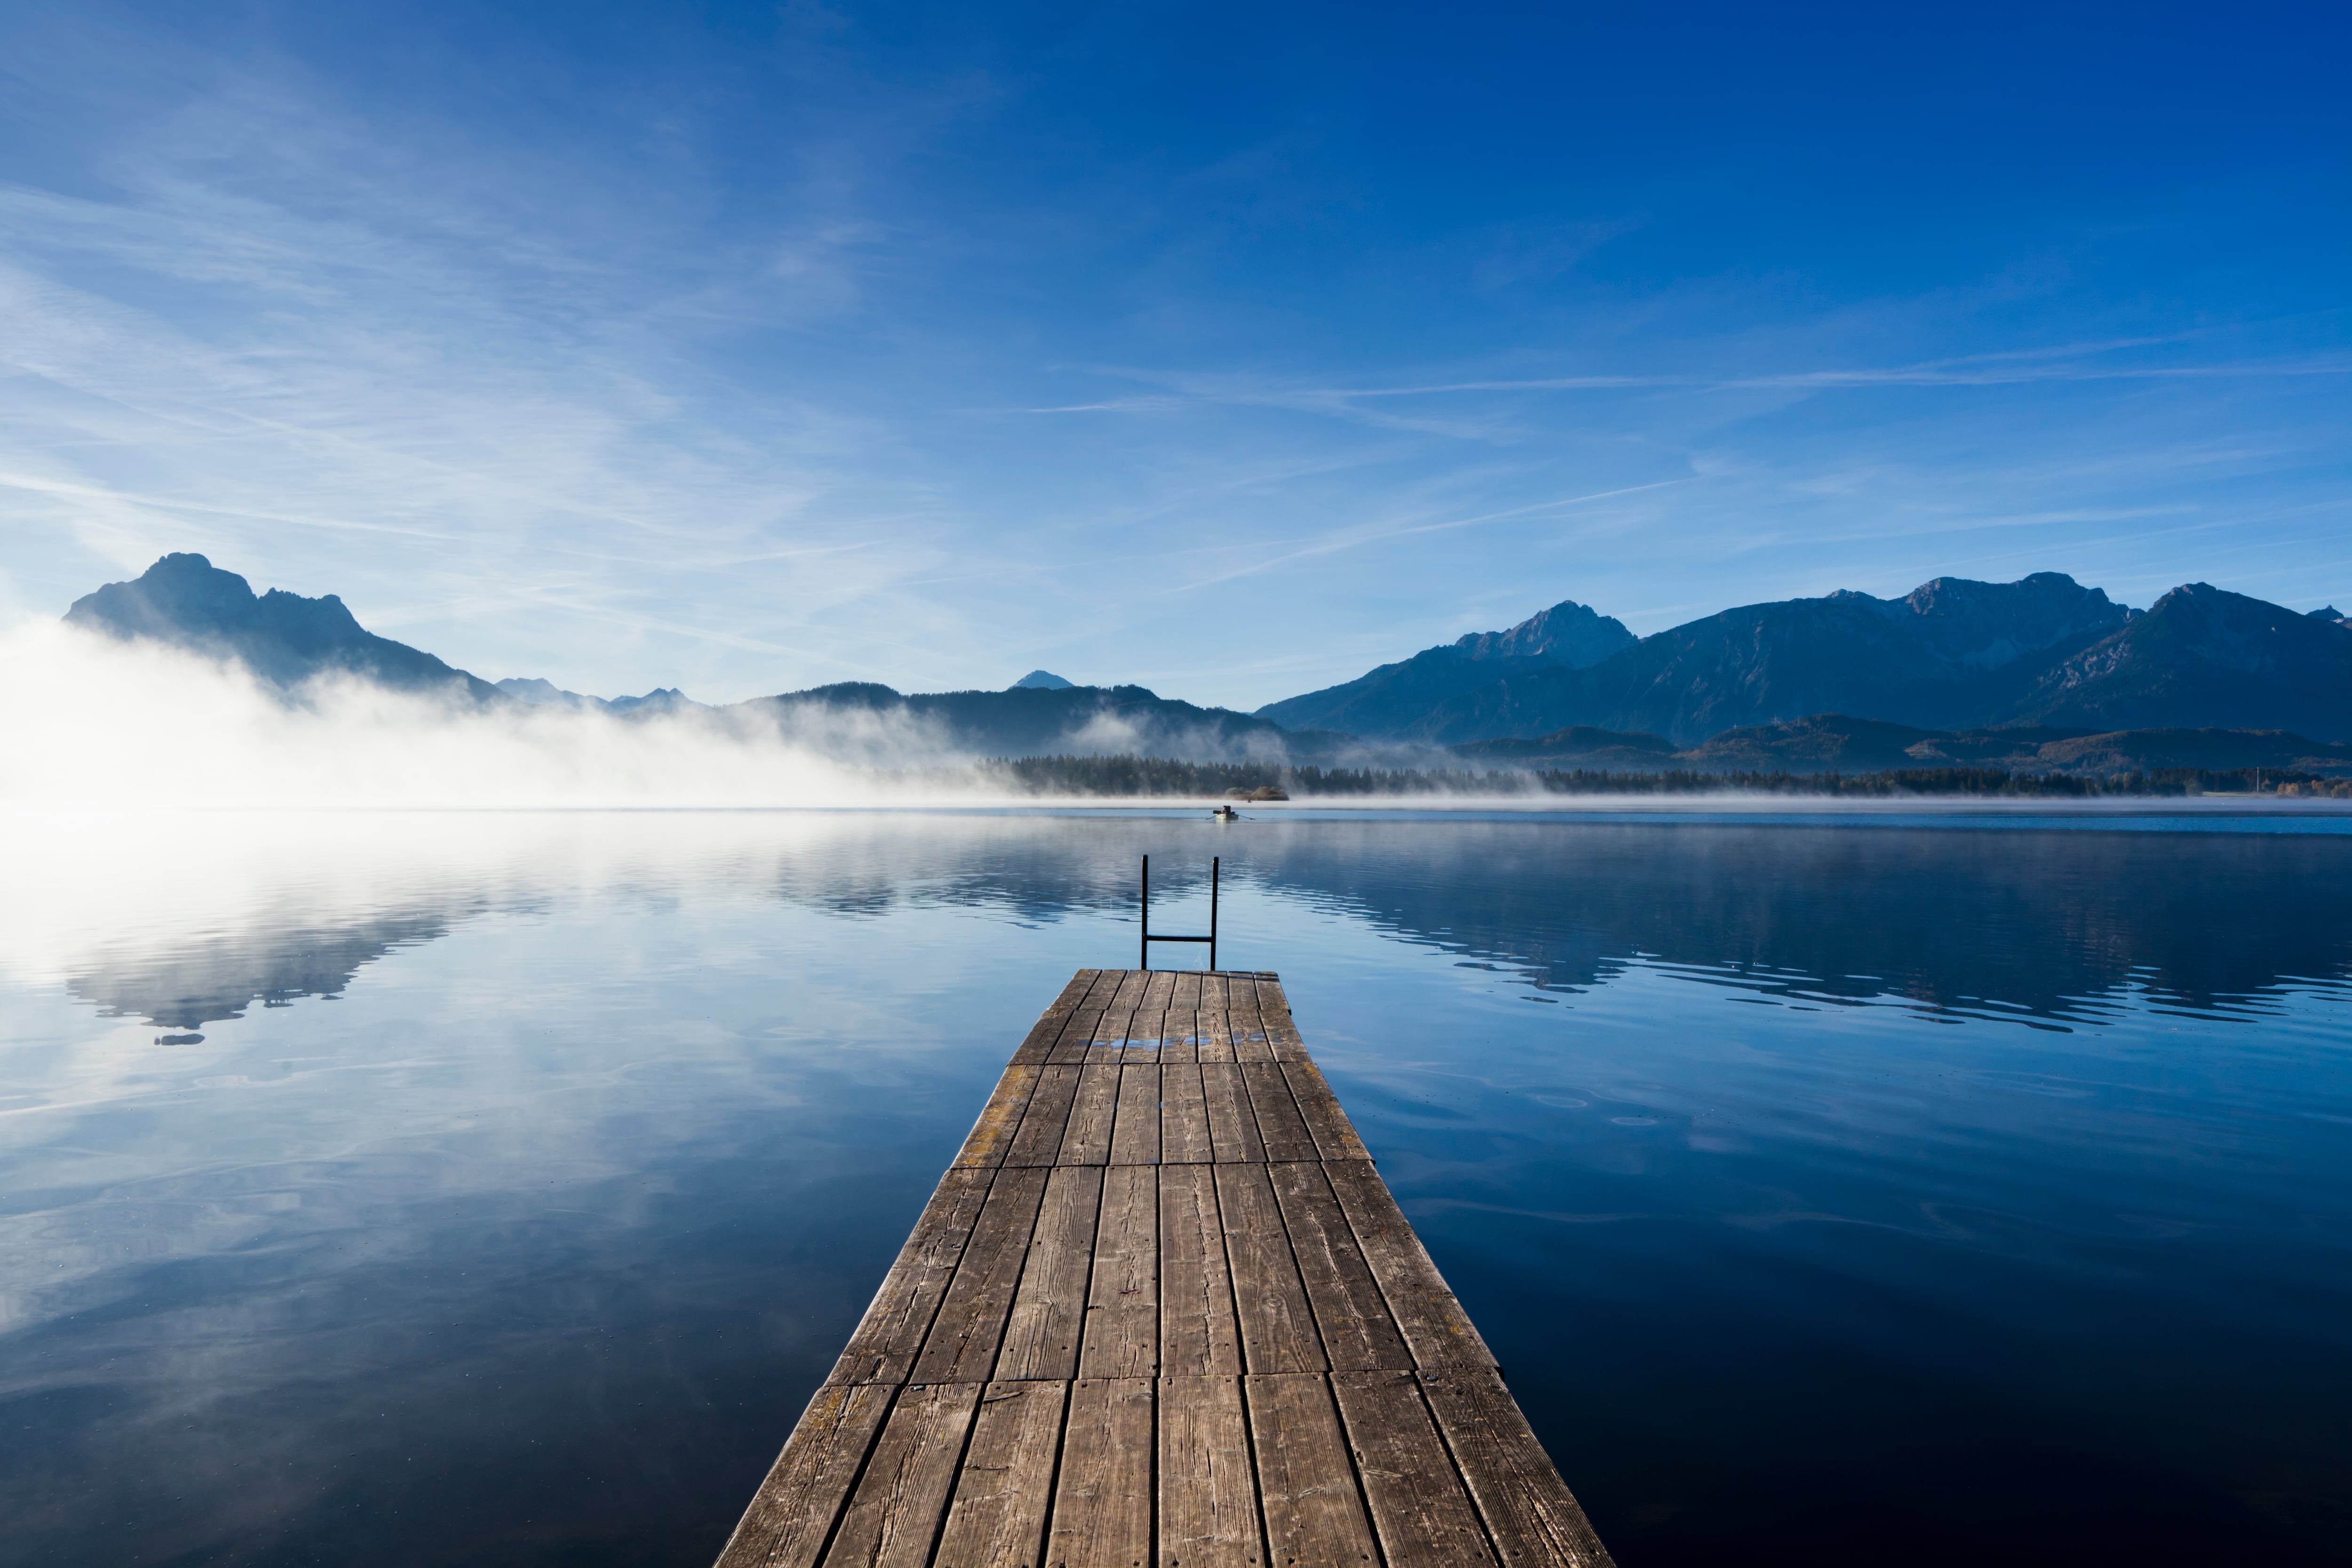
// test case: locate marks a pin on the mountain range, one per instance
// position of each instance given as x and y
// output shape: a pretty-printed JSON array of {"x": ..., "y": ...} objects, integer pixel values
[
  {"x": 536, "y": 693},
  {"x": 2040, "y": 674},
  {"x": 1034, "y": 721},
  {"x": 286, "y": 639},
  {"x": 1952, "y": 653}
]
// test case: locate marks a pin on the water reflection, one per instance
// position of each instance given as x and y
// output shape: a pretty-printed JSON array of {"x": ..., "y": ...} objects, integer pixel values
[
  {"x": 2018, "y": 923},
  {"x": 530, "y": 1169},
  {"x": 2038, "y": 922},
  {"x": 218, "y": 977}
]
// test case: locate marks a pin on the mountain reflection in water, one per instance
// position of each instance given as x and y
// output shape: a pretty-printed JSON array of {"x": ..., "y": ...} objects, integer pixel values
[
  {"x": 2045, "y": 926},
  {"x": 2038, "y": 922},
  {"x": 1869, "y": 1191}
]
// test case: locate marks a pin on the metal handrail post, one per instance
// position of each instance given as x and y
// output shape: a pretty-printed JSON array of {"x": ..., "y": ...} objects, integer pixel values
[{"x": 1212, "y": 914}]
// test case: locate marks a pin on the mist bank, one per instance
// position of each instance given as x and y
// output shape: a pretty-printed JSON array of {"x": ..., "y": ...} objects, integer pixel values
[
  {"x": 91, "y": 721},
  {"x": 95, "y": 721}
]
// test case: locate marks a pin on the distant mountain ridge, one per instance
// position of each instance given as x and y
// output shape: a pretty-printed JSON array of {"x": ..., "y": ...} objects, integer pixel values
[
  {"x": 1387, "y": 702},
  {"x": 536, "y": 693},
  {"x": 186, "y": 600},
  {"x": 1949, "y": 654},
  {"x": 1956, "y": 672},
  {"x": 1031, "y": 721},
  {"x": 1952, "y": 655}
]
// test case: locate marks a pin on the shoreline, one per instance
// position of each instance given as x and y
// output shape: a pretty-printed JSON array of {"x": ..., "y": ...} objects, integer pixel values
[{"x": 1752, "y": 803}]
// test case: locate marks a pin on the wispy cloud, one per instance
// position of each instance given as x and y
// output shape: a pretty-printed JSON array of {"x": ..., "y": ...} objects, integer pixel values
[
  {"x": 1358, "y": 537},
  {"x": 2015, "y": 367}
]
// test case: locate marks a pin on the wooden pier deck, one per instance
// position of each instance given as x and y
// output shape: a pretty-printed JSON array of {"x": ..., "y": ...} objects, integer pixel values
[{"x": 1162, "y": 1312}]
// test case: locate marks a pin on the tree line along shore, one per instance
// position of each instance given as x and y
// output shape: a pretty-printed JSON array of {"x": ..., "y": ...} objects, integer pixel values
[{"x": 1165, "y": 777}]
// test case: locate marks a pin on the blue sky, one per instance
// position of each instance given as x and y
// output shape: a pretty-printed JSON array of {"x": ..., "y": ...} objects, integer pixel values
[{"x": 1228, "y": 351}]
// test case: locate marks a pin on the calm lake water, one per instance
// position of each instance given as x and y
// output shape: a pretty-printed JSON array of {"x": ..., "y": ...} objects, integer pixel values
[{"x": 1833, "y": 1191}]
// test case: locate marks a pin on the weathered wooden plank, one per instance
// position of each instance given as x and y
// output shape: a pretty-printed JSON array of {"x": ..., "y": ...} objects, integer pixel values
[
  {"x": 1214, "y": 1028},
  {"x": 1122, "y": 1330},
  {"x": 1208, "y": 1489},
  {"x": 998, "y": 1517},
  {"x": 1150, "y": 1021},
  {"x": 1212, "y": 1035},
  {"x": 792, "y": 1512},
  {"x": 894, "y": 1515},
  {"x": 1198, "y": 1334},
  {"x": 1314, "y": 1513},
  {"x": 1232, "y": 1126},
  {"x": 1133, "y": 990},
  {"x": 1249, "y": 1029},
  {"x": 1183, "y": 1116},
  {"x": 1135, "y": 1137},
  {"x": 1177, "y": 1042},
  {"x": 1038, "y": 1139},
  {"x": 1280, "y": 1126},
  {"x": 1086, "y": 1020},
  {"x": 1120, "y": 1016},
  {"x": 999, "y": 1119},
  {"x": 1094, "y": 1112},
  {"x": 1102, "y": 1507},
  {"x": 1274, "y": 1012},
  {"x": 1049, "y": 1310},
  {"x": 1047, "y": 1032},
  {"x": 1418, "y": 1504},
  {"x": 886, "y": 1342},
  {"x": 1359, "y": 1334},
  {"x": 1277, "y": 1326},
  {"x": 1534, "y": 1520},
  {"x": 1334, "y": 1135},
  {"x": 963, "y": 1345},
  {"x": 1433, "y": 1324}
]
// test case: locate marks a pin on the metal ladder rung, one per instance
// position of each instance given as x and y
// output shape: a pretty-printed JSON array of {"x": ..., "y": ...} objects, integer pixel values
[{"x": 1144, "y": 958}]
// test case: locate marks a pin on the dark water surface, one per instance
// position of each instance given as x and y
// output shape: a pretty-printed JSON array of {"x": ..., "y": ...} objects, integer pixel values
[{"x": 1833, "y": 1192}]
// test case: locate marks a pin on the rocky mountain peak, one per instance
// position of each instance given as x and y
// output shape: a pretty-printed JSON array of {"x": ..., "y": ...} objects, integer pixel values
[
  {"x": 285, "y": 638},
  {"x": 2229, "y": 629},
  {"x": 1985, "y": 626},
  {"x": 1567, "y": 633},
  {"x": 181, "y": 593}
]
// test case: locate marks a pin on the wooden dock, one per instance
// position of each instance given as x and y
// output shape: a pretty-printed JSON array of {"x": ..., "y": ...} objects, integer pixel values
[{"x": 1162, "y": 1312}]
